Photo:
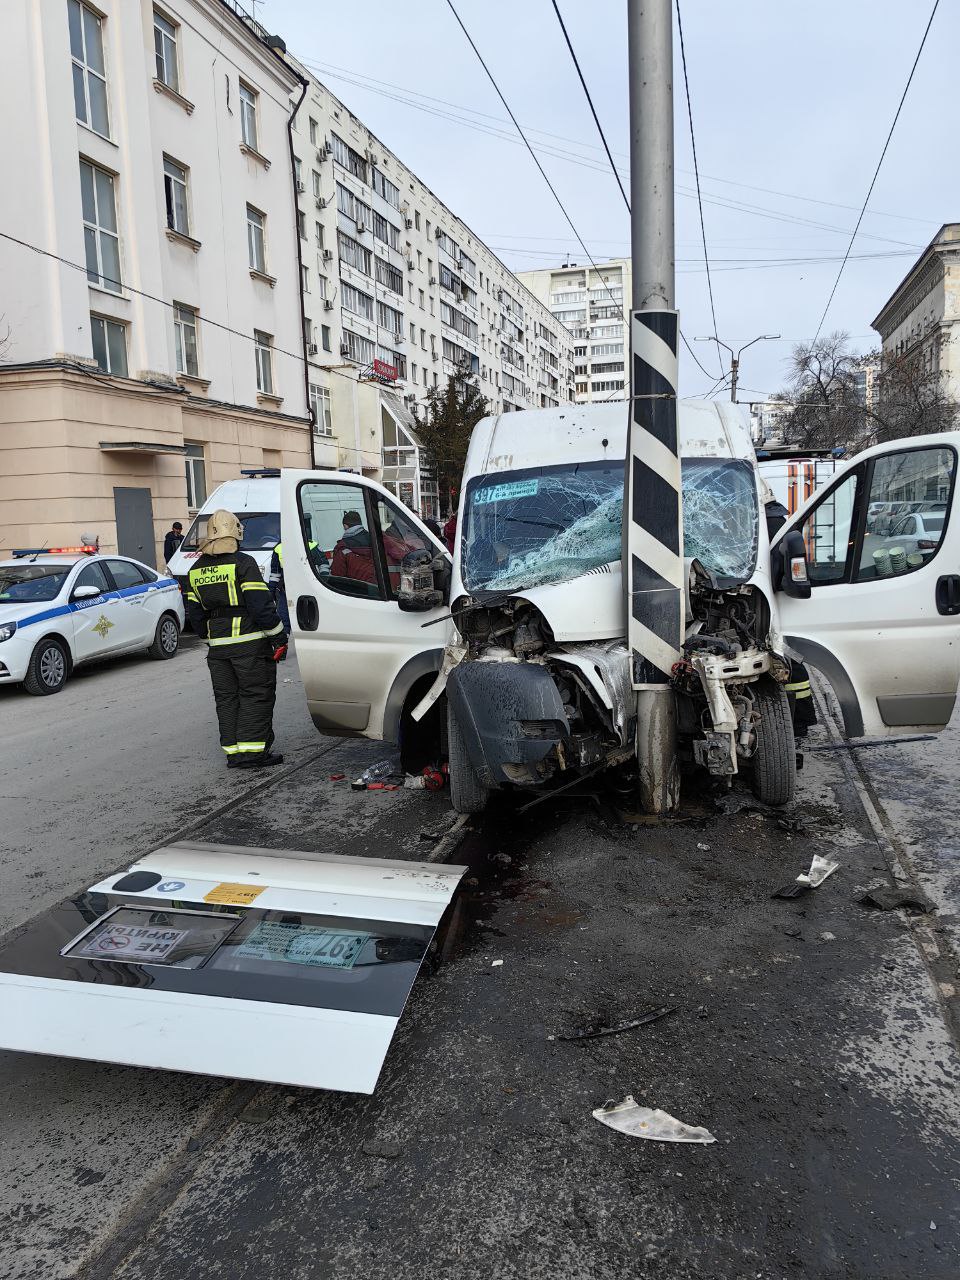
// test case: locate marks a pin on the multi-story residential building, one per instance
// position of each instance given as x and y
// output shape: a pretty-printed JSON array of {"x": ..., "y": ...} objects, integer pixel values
[
  {"x": 594, "y": 304},
  {"x": 151, "y": 295},
  {"x": 922, "y": 316},
  {"x": 769, "y": 420},
  {"x": 866, "y": 378},
  {"x": 399, "y": 294}
]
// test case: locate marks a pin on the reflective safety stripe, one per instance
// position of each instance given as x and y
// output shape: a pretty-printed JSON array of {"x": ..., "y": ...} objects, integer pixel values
[
  {"x": 278, "y": 552},
  {"x": 254, "y": 586},
  {"x": 251, "y": 746},
  {"x": 797, "y": 685},
  {"x": 249, "y": 635},
  {"x": 803, "y": 694},
  {"x": 231, "y": 751},
  {"x": 191, "y": 596},
  {"x": 234, "y": 627}
]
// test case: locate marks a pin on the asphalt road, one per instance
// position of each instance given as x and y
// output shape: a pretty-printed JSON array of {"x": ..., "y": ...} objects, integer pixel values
[{"x": 812, "y": 1037}]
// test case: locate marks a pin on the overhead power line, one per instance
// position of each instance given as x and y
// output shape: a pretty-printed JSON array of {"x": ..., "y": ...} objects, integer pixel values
[
  {"x": 533, "y": 154},
  {"x": 876, "y": 172},
  {"x": 593, "y": 110},
  {"x": 696, "y": 171}
]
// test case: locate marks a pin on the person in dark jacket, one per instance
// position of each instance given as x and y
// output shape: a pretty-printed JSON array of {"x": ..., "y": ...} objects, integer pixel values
[
  {"x": 229, "y": 605},
  {"x": 353, "y": 554},
  {"x": 172, "y": 540}
]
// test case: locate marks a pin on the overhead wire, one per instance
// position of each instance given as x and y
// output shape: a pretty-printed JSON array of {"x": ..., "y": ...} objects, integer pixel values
[
  {"x": 876, "y": 172},
  {"x": 696, "y": 170},
  {"x": 533, "y": 155},
  {"x": 593, "y": 110}
]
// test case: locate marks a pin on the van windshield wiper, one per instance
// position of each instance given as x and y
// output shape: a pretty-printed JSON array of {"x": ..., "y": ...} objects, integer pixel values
[{"x": 492, "y": 603}]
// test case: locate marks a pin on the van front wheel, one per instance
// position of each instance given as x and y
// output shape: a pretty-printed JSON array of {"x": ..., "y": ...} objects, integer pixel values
[
  {"x": 775, "y": 758},
  {"x": 467, "y": 793}
]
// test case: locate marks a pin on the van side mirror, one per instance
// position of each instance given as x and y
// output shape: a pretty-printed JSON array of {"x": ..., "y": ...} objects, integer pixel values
[
  {"x": 422, "y": 584},
  {"x": 86, "y": 593},
  {"x": 793, "y": 577}
]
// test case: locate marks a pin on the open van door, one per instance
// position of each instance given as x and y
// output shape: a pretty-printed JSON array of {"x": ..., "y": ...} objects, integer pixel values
[
  {"x": 881, "y": 616},
  {"x": 360, "y": 654}
]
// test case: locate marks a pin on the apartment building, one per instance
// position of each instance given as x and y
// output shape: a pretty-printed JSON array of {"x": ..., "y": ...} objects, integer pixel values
[
  {"x": 152, "y": 347},
  {"x": 921, "y": 318},
  {"x": 398, "y": 295},
  {"x": 594, "y": 305}
]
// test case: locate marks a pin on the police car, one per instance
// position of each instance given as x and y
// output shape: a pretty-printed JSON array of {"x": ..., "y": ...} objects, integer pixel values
[{"x": 66, "y": 605}]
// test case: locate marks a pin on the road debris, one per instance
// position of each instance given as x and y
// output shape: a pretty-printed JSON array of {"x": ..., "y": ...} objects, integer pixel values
[
  {"x": 644, "y": 1122},
  {"x": 654, "y": 1015},
  {"x": 495, "y": 963},
  {"x": 380, "y": 775},
  {"x": 705, "y": 848},
  {"x": 885, "y": 898},
  {"x": 820, "y": 868}
]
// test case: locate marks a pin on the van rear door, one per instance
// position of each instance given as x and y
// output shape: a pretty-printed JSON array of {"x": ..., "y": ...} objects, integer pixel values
[{"x": 882, "y": 622}]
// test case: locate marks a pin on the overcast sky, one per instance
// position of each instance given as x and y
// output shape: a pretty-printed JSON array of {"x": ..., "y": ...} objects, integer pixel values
[{"x": 791, "y": 105}]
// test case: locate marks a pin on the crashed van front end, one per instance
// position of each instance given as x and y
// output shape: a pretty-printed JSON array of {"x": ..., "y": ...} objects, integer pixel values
[{"x": 538, "y": 674}]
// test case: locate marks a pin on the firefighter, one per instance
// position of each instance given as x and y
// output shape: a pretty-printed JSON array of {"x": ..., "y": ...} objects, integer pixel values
[{"x": 230, "y": 606}]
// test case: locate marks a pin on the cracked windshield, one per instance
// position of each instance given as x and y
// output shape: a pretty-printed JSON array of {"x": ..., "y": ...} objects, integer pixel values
[{"x": 546, "y": 525}]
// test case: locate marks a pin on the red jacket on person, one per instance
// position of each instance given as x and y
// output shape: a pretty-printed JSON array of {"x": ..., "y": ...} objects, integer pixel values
[{"x": 353, "y": 557}]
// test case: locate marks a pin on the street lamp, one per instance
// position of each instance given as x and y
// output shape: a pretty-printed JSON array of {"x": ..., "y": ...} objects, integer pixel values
[{"x": 735, "y": 358}]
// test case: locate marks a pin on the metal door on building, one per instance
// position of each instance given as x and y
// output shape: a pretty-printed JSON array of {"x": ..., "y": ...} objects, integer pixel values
[{"x": 134, "y": 514}]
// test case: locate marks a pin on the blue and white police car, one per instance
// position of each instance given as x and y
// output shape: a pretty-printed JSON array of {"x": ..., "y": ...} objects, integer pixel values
[{"x": 66, "y": 605}]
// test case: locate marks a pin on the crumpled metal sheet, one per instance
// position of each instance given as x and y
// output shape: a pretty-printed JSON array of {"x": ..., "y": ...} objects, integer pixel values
[{"x": 610, "y": 664}]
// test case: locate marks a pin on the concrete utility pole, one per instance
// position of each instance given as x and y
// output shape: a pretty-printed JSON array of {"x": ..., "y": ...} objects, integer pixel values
[
  {"x": 652, "y": 529},
  {"x": 735, "y": 359}
]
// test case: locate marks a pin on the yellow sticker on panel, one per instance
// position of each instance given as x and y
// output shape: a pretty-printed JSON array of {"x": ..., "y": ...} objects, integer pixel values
[{"x": 236, "y": 895}]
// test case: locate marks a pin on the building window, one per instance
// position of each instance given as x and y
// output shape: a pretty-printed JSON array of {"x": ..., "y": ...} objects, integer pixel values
[
  {"x": 101, "y": 242},
  {"x": 89, "y": 72},
  {"x": 316, "y": 183},
  {"x": 196, "y": 477},
  {"x": 298, "y": 171},
  {"x": 318, "y": 227},
  {"x": 416, "y": 218},
  {"x": 362, "y": 350},
  {"x": 313, "y": 132},
  {"x": 109, "y": 345},
  {"x": 301, "y": 224},
  {"x": 352, "y": 299},
  {"x": 389, "y": 318},
  {"x": 185, "y": 338},
  {"x": 413, "y": 333},
  {"x": 423, "y": 300},
  {"x": 320, "y": 407},
  {"x": 264, "y": 351},
  {"x": 325, "y": 336},
  {"x": 389, "y": 276},
  {"x": 321, "y": 285},
  {"x": 354, "y": 254},
  {"x": 256, "y": 241},
  {"x": 351, "y": 160},
  {"x": 305, "y": 279},
  {"x": 248, "y": 116},
  {"x": 165, "y": 47},
  {"x": 175, "y": 191},
  {"x": 385, "y": 188}
]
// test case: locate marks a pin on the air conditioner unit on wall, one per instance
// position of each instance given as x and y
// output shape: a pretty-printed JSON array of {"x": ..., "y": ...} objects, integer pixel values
[
  {"x": 344, "y": 348},
  {"x": 301, "y": 188},
  {"x": 312, "y": 349},
  {"x": 327, "y": 304},
  {"x": 327, "y": 255},
  {"x": 361, "y": 227},
  {"x": 321, "y": 203},
  {"x": 408, "y": 223}
]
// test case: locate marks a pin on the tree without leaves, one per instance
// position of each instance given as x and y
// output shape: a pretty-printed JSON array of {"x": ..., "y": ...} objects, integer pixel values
[
  {"x": 910, "y": 397},
  {"x": 444, "y": 427}
]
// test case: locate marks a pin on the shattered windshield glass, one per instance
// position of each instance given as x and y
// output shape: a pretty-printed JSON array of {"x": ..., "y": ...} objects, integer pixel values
[
  {"x": 541, "y": 525},
  {"x": 720, "y": 516},
  {"x": 545, "y": 525}
]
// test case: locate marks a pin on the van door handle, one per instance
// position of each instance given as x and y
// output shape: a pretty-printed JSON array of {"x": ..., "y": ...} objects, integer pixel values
[
  {"x": 308, "y": 614},
  {"x": 948, "y": 594}
]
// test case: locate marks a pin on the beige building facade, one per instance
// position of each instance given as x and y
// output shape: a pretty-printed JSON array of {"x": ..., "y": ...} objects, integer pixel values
[
  {"x": 152, "y": 340},
  {"x": 922, "y": 316}
]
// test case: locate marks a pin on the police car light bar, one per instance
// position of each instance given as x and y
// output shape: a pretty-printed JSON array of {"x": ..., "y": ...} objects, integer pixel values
[
  {"x": 54, "y": 551},
  {"x": 255, "y": 473}
]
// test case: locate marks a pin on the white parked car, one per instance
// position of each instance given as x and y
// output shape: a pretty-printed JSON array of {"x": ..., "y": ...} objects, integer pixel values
[{"x": 69, "y": 605}]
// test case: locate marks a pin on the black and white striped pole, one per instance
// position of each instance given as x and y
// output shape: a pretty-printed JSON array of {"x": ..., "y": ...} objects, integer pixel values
[{"x": 652, "y": 538}]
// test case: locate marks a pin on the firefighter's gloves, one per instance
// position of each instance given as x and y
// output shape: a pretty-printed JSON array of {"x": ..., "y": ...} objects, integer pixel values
[{"x": 280, "y": 652}]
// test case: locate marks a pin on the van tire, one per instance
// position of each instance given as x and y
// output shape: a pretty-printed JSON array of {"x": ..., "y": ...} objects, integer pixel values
[
  {"x": 166, "y": 638},
  {"x": 467, "y": 793},
  {"x": 775, "y": 757},
  {"x": 48, "y": 670}
]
